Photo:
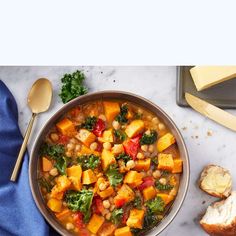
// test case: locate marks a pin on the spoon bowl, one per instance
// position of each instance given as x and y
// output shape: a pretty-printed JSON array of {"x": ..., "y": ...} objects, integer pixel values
[{"x": 40, "y": 96}]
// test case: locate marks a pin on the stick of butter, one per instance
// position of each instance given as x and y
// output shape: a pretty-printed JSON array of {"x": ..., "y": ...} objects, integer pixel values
[{"x": 207, "y": 76}]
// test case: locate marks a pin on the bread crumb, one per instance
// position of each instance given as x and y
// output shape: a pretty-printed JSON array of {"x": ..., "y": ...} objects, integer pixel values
[
  {"x": 209, "y": 133},
  {"x": 184, "y": 128}
]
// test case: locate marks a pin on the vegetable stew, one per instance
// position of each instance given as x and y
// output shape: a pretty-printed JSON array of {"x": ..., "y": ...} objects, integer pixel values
[{"x": 109, "y": 168}]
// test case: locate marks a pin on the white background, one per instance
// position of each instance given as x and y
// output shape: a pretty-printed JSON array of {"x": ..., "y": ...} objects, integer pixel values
[{"x": 122, "y": 32}]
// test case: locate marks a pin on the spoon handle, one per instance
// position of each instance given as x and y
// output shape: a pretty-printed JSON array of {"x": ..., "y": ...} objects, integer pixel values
[{"x": 22, "y": 149}]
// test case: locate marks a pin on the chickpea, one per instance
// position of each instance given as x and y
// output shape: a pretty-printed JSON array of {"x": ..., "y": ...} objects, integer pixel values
[
  {"x": 118, "y": 148},
  {"x": 108, "y": 216},
  {"x": 140, "y": 111},
  {"x": 115, "y": 124},
  {"x": 130, "y": 164},
  {"x": 112, "y": 207},
  {"x": 73, "y": 140},
  {"x": 64, "y": 203},
  {"x": 163, "y": 181},
  {"x": 155, "y": 120},
  {"x": 149, "y": 117},
  {"x": 151, "y": 148},
  {"x": 148, "y": 132},
  {"x": 102, "y": 117},
  {"x": 156, "y": 174},
  {"x": 106, "y": 204},
  {"x": 149, "y": 172},
  {"x": 54, "y": 137},
  {"x": 140, "y": 155},
  {"x": 111, "y": 200},
  {"x": 77, "y": 147},
  {"x": 70, "y": 146},
  {"x": 69, "y": 154},
  {"x": 107, "y": 145},
  {"x": 102, "y": 186},
  {"x": 144, "y": 147},
  {"x": 105, "y": 211},
  {"x": 161, "y": 126},
  {"x": 93, "y": 146},
  {"x": 53, "y": 172},
  {"x": 69, "y": 226}
]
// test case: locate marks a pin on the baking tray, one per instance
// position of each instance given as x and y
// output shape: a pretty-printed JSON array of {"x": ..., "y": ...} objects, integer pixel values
[{"x": 222, "y": 95}]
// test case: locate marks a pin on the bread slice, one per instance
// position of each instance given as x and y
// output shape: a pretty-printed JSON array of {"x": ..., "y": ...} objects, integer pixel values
[
  {"x": 216, "y": 181},
  {"x": 220, "y": 218}
]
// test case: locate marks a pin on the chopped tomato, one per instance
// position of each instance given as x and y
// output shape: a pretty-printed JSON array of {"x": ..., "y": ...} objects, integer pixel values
[
  {"x": 99, "y": 147},
  {"x": 119, "y": 202},
  {"x": 131, "y": 146},
  {"x": 147, "y": 182},
  {"x": 97, "y": 205},
  {"x": 99, "y": 127},
  {"x": 63, "y": 139},
  {"x": 78, "y": 218},
  {"x": 84, "y": 232}
]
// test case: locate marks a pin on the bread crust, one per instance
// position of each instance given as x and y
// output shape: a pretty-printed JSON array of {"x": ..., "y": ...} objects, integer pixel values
[
  {"x": 220, "y": 230},
  {"x": 214, "y": 194}
]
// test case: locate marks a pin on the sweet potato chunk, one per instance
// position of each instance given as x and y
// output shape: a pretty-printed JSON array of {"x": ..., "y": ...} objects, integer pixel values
[
  {"x": 135, "y": 127},
  {"x": 143, "y": 165},
  {"x": 95, "y": 223},
  {"x": 66, "y": 127},
  {"x": 124, "y": 231},
  {"x": 165, "y": 141},
  {"x": 112, "y": 109},
  {"x": 46, "y": 164},
  {"x": 178, "y": 165},
  {"x": 107, "y": 136},
  {"x": 165, "y": 197},
  {"x": 135, "y": 219},
  {"x": 86, "y": 137},
  {"x": 107, "y": 229},
  {"x": 125, "y": 193},
  {"x": 149, "y": 193},
  {"x": 88, "y": 177},
  {"x": 74, "y": 174},
  {"x": 106, "y": 193},
  {"x": 165, "y": 162},
  {"x": 133, "y": 178},
  {"x": 54, "y": 204},
  {"x": 87, "y": 151},
  {"x": 107, "y": 158}
]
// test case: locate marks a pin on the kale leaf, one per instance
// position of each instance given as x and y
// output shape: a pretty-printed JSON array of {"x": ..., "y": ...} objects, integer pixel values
[
  {"x": 61, "y": 164},
  {"x": 72, "y": 86},
  {"x": 80, "y": 201},
  {"x": 88, "y": 161},
  {"x": 156, "y": 205},
  {"x": 113, "y": 175},
  {"x": 121, "y": 118},
  {"x": 163, "y": 186},
  {"x": 124, "y": 157},
  {"x": 52, "y": 151},
  {"x": 45, "y": 184},
  {"x": 149, "y": 138},
  {"x": 120, "y": 135},
  {"x": 138, "y": 202},
  {"x": 89, "y": 123},
  {"x": 116, "y": 216}
]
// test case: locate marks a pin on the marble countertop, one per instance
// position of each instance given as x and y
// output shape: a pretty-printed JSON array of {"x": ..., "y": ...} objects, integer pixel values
[{"x": 207, "y": 142}]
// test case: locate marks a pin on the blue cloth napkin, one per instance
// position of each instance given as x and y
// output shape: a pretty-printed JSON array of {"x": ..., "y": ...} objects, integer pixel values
[{"x": 18, "y": 212}]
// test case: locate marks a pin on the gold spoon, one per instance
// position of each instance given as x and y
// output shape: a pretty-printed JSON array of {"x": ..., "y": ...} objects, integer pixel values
[{"x": 39, "y": 100}]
